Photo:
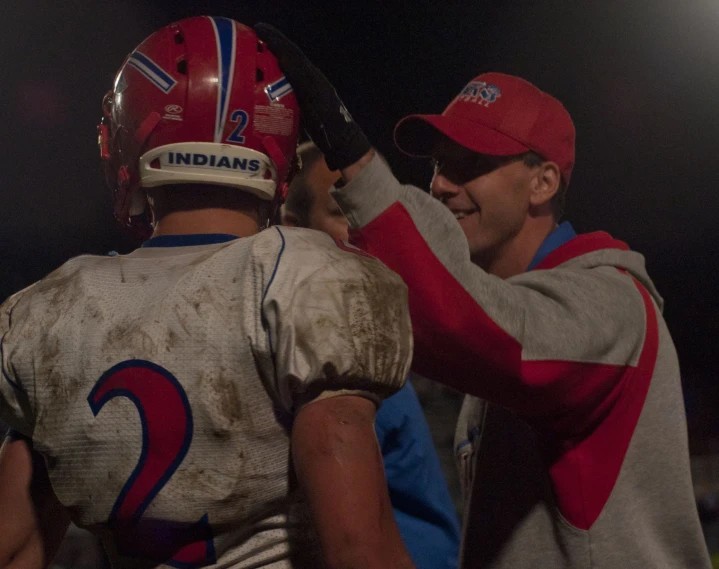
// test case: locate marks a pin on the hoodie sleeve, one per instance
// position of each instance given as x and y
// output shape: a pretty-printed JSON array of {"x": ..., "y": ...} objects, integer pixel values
[{"x": 552, "y": 345}]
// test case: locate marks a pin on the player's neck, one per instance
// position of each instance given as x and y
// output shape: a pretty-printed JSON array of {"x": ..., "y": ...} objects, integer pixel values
[{"x": 210, "y": 220}]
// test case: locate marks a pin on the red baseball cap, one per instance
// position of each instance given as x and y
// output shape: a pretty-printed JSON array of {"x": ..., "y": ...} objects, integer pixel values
[{"x": 498, "y": 115}]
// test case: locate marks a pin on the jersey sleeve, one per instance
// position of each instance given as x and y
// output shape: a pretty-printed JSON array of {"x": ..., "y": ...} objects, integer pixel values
[
  {"x": 15, "y": 407},
  {"x": 550, "y": 345},
  {"x": 338, "y": 323}
]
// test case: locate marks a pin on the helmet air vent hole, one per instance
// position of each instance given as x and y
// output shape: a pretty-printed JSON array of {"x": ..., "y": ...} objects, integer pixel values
[
  {"x": 259, "y": 75},
  {"x": 179, "y": 38},
  {"x": 260, "y": 48},
  {"x": 182, "y": 67}
]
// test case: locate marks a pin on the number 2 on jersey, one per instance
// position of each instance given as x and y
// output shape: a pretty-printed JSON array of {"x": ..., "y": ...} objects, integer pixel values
[{"x": 167, "y": 425}]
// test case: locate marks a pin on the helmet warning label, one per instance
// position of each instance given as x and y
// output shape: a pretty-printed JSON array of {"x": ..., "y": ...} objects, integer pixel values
[{"x": 273, "y": 119}]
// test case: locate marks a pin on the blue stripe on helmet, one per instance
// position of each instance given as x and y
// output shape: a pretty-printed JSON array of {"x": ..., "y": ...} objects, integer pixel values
[
  {"x": 225, "y": 35},
  {"x": 156, "y": 74},
  {"x": 278, "y": 89}
]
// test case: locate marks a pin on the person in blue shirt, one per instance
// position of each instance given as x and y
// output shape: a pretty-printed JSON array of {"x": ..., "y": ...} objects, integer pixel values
[{"x": 421, "y": 501}]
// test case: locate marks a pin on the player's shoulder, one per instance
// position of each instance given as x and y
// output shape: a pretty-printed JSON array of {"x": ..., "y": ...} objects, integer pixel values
[
  {"x": 305, "y": 251},
  {"x": 295, "y": 239},
  {"x": 61, "y": 281}
]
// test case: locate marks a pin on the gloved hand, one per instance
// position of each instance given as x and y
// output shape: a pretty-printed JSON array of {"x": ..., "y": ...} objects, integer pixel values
[{"x": 324, "y": 116}]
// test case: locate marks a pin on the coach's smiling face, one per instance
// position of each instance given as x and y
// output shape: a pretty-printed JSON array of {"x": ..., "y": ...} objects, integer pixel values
[{"x": 491, "y": 197}]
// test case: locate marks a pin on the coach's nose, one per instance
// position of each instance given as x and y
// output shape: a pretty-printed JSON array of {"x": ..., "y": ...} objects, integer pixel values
[{"x": 442, "y": 189}]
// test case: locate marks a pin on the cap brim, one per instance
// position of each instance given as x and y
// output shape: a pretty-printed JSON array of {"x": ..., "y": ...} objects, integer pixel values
[{"x": 418, "y": 135}]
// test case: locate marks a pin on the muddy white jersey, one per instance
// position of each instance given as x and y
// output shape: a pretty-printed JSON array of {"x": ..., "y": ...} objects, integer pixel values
[{"x": 160, "y": 386}]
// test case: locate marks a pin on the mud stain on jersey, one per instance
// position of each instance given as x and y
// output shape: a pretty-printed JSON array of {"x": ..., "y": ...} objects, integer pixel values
[
  {"x": 206, "y": 296},
  {"x": 172, "y": 340},
  {"x": 355, "y": 334},
  {"x": 199, "y": 300},
  {"x": 333, "y": 380},
  {"x": 180, "y": 314},
  {"x": 222, "y": 402},
  {"x": 50, "y": 349},
  {"x": 131, "y": 340},
  {"x": 92, "y": 308},
  {"x": 122, "y": 273},
  {"x": 39, "y": 320},
  {"x": 378, "y": 320},
  {"x": 58, "y": 293}
]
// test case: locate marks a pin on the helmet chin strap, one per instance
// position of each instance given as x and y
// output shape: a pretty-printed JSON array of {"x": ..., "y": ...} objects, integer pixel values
[
  {"x": 124, "y": 176},
  {"x": 142, "y": 133},
  {"x": 274, "y": 152},
  {"x": 282, "y": 167},
  {"x": 146, "y": 127},
  {"x": 127, "y": 179}
]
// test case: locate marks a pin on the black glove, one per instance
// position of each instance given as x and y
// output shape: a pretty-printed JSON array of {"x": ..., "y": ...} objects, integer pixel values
[{"x": 325, "y": 117}]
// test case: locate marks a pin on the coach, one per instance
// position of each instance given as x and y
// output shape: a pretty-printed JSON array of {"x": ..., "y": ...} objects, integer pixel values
[{"x": 583, "y": 461}]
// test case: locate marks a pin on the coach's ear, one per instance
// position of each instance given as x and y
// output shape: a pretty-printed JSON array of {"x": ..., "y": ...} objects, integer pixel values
[{"x": 288, "y": 218}]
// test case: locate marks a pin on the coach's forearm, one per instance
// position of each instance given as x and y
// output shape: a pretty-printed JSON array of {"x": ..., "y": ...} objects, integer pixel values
[{"x": 353, "y": 170}]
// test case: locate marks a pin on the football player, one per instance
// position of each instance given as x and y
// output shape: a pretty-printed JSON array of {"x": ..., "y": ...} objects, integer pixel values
[
  {"x": 209, "y": 398},
  {"x": 423, "y": 508}
]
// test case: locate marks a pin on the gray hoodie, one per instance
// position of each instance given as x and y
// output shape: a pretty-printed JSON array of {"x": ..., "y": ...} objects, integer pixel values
[{"x": 582, "y": 461}]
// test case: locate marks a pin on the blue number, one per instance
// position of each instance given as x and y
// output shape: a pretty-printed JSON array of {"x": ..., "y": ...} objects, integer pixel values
[{"x": 238, "y": 116}]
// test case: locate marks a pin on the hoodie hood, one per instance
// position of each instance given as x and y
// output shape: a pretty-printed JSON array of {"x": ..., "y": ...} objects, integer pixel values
[{"x": 599, "y": 249}]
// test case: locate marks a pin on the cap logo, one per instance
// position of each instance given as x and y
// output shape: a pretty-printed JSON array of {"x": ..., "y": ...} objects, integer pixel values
[{"x": 480, "y": 92}]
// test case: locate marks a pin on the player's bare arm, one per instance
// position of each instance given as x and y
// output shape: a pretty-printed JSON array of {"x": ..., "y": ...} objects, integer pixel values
[
  {"x": 339, "y": 465},
  {"x": 33, "y": 522}
]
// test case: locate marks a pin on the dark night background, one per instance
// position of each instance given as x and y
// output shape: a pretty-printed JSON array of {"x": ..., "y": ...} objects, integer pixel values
[{"x": 639, "y": 78}]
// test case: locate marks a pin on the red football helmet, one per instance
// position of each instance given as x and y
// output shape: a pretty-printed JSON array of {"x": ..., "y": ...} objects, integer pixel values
[{"x": 199, "y": 101}]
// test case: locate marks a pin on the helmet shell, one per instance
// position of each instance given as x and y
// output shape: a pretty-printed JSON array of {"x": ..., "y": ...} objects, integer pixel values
[{"x": 201, "y": 100}]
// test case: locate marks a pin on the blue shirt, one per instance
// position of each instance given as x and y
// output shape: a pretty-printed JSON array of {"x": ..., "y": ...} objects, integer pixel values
[
  {"x": 423, "y": 508},
  {"x": 565, "y": 232}
]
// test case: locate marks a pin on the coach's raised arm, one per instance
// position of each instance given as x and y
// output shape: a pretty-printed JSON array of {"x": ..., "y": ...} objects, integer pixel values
[{"x": 507, "y": 304}]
